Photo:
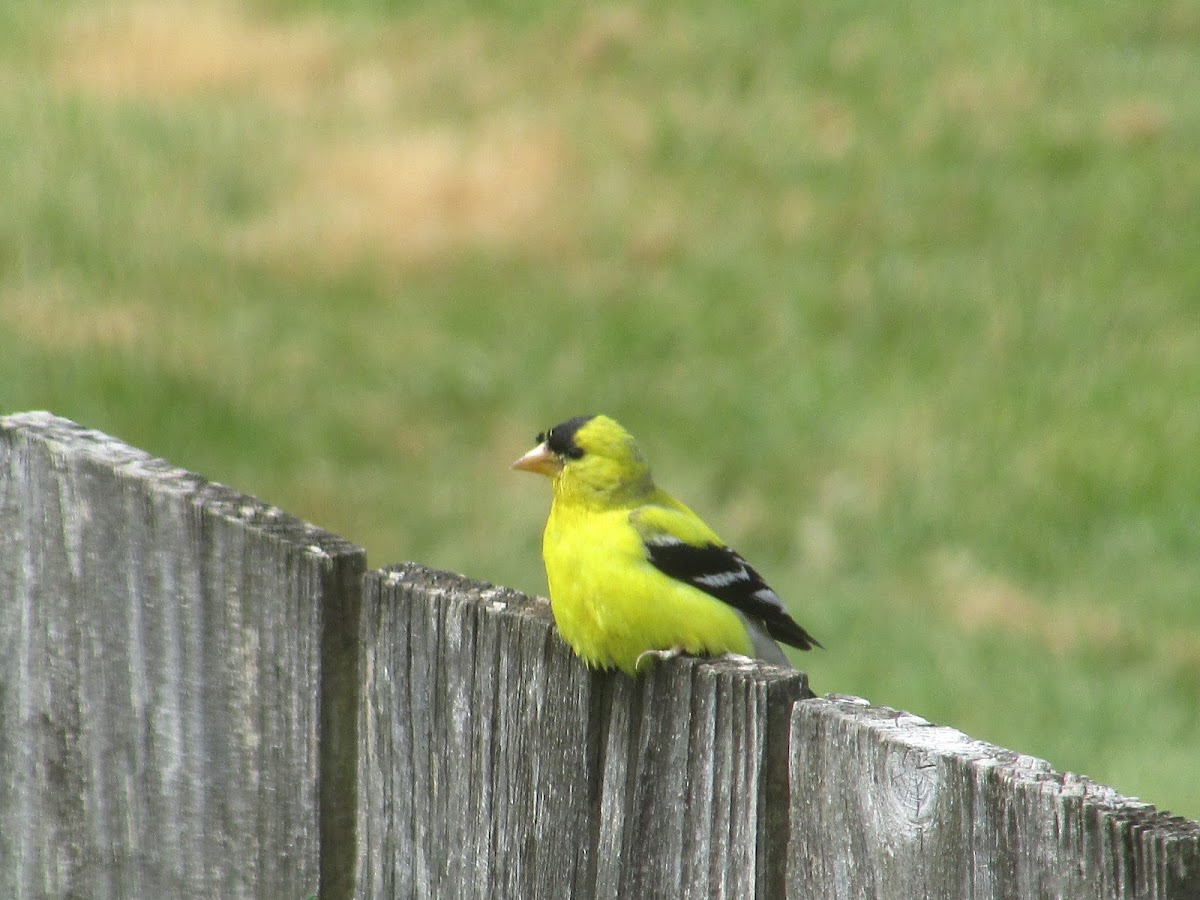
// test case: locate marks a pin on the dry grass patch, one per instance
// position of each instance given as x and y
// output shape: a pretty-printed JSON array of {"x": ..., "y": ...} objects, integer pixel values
[
  {"x": 985, "y": 104},
  {"x": 412, "y": 197},
  {"x": 173, "y": 49},
  {"x": 979, "y": 600},
  {"x": 1135, "y": 121},
  {"x": 61, "y": 317},
  {"x": 412, "y": 191},
  {"x": 832, "y": 128},
  {"x": 606, "y": 33},
  {"x": 1183, "y": 650},
  {"x": 52, "y": 315}
]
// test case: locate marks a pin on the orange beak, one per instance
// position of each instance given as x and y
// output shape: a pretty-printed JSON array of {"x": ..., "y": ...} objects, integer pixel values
[{"x": 541, "y": 460}]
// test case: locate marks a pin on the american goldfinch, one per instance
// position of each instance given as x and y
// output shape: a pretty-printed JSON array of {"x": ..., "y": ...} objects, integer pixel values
[{"x": 632, "y": 571}]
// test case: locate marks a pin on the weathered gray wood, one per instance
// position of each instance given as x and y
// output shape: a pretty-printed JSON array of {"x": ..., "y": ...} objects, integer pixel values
[
  {"x": 886, "y": 805},
  {"x": 171, "y": 653},
  {"x": 495, "y": 765},
  {"x": 181, "y": 670}
]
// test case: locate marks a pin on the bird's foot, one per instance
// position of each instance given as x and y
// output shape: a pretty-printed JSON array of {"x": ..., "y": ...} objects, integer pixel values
[
  {"x": 664, "y": 655},
  {"x": 737, "y": 658}
]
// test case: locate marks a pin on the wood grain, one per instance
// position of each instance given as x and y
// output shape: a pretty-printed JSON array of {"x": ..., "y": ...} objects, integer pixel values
[
  {"x": 495, "y": 765},
  {"x": 885, "y": 804},
  {"x": 201, "y": 696},
  {"x": 165, "y": 648}
]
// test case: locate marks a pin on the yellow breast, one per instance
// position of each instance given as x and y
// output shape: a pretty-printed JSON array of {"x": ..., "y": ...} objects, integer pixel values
[{"x": 610, "y": 604}]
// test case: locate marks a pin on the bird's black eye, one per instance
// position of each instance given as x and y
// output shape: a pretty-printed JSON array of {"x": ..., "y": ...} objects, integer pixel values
[{"x": 574, "y": 452}]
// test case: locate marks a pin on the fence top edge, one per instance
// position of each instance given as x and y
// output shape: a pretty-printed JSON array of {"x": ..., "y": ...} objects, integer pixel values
[
  {"x": 444, "y": 583},
  {"x": 65, "y": 439},
  {"x": 499, "y": 600},
  {"x": 914, "y": 733}
]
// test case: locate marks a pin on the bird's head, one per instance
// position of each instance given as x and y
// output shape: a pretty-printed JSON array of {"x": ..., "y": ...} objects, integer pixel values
[{"x": 589, "y": 458}]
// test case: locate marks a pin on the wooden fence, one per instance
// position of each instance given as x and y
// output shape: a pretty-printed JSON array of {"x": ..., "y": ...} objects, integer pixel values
[{"x": 201, "y": 696}]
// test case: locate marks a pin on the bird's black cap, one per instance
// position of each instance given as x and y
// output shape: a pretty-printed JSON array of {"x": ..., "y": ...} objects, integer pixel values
[{"x": 561, "y": 438}]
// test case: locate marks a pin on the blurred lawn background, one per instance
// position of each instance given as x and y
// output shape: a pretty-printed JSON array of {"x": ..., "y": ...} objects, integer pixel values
[{"x": 904, "y": 299}]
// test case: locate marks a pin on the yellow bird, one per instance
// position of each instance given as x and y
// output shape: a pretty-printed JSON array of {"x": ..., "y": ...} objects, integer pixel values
[{"x": 634, "y": 573}]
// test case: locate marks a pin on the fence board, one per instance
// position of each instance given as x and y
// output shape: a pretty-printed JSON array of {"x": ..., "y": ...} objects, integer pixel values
[
  {"x": 192, "y": 705},
  {"x": 887, "y": 805},
  {"x": 164, "y": 644},
  {"x": 495, "y": 765}
]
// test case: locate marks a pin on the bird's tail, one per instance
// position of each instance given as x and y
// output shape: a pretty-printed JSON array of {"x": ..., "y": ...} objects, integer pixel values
[{"x": 765, "y": 647}]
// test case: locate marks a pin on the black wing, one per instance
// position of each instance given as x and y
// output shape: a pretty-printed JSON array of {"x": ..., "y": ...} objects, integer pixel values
[{"x": 722, "y": 573}]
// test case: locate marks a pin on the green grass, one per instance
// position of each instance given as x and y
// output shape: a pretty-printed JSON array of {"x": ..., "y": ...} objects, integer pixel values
[{"x": 905, "y": 301}]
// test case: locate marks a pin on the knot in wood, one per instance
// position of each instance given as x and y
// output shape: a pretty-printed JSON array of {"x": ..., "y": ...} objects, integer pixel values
[{"x": 912, "y": 780}]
